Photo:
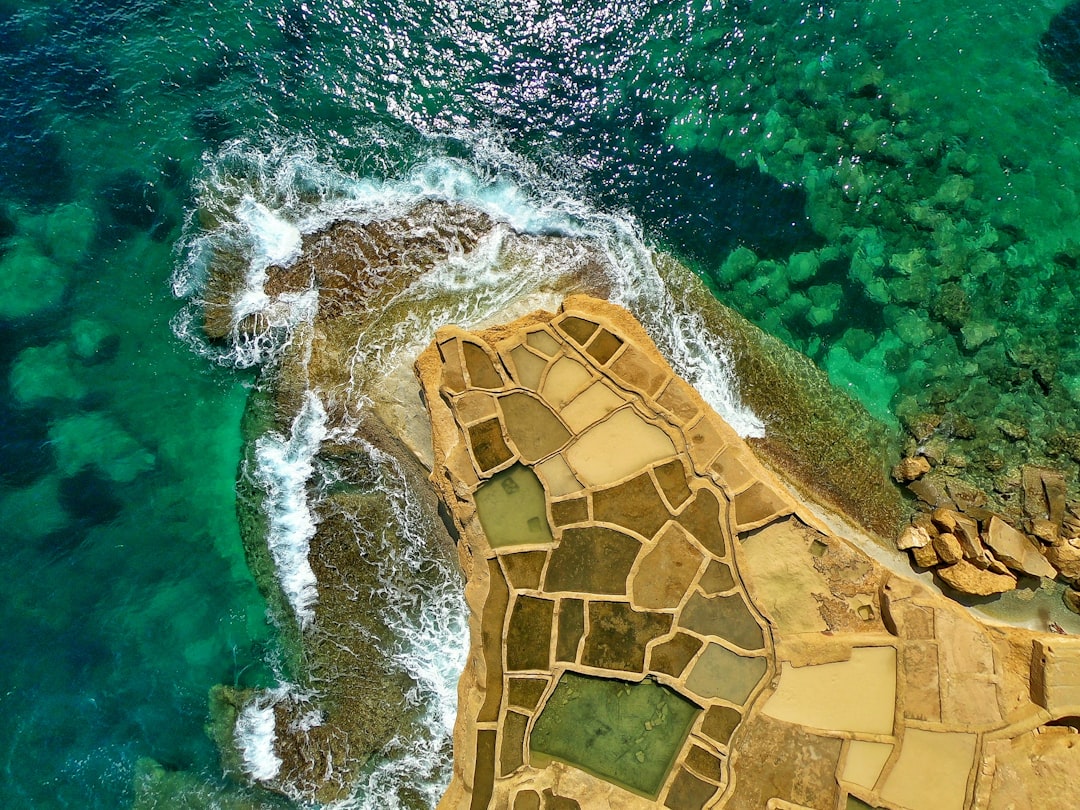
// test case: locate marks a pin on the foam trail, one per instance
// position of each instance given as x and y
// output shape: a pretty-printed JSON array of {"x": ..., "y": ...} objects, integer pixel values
[
  {"x": 274, "y": 241},
  {"x": 284, "y": 465},
  {"x": 512, "y": 193},
  {"x": 255, "y": 738}
]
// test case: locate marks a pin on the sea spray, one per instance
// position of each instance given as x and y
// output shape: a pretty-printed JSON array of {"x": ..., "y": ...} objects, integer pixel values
[
  {"x": 284, "y": 466},
  {"x": 296, "y": 189},
  {"x": 255, "y": 736}
]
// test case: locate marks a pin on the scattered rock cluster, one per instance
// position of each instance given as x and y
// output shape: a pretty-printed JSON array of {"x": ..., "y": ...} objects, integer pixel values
[{"x": 979, "y": 550}]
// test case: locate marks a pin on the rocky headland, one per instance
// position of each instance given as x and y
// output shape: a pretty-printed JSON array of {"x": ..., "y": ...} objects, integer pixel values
[{"x": 690, "y": 568}]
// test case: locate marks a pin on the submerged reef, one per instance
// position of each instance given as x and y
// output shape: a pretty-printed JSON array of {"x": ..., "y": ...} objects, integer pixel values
[
  {"x": 1059, "y": 47},
  {"x": 941, "y": 295}
]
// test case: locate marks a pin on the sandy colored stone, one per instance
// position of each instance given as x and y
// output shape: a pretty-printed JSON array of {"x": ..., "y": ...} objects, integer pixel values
[
  {"x": 1015, "y": 550},
  {"x": 919, "y": 702},
  {"x": 565, "y": 380},
  {"x": 641, "y": 443},
  {"x": 948, "y": 548},
  {"x": 557, "y": 476},
  {"x": 925, "y": 556},
  {"x": 913, "y": 537},
  {"x": 1040, "y": 769},
  {"x": 1055, "y": 670},
  {"x": 1065, "y": 558},
  {"x": 640, "y": 371},
  {"x": 1044, "y": 493},
  {"x": 777, "y": 564},
  {"x": 592, "y": 405},
  {"x": 857, "y": 695},
  {"x": 967, "y": 532},
  {"x": 932, "y": 770},
  {"x": 864, "y": 761},
  {"x": 910, "y": 468},
  {"x": 967, "y": 578},
  {"x": 778, "y": 759},
  {"x": 528, "y": 367}
]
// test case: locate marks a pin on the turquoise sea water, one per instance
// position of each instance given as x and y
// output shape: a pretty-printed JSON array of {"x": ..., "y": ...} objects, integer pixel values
[{"x": 890, "y": 188}]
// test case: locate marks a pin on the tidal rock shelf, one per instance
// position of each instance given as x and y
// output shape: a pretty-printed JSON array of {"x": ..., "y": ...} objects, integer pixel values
[{"x": 656, "y": 621}]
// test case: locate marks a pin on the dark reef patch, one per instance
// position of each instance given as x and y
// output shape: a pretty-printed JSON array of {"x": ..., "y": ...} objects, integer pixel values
[
  {"x": 32, "y": 162},
  {"x": 1059, "y": 48},
  {"x": 25, "y": 453},
  {"x": 134, "y": 204},
  {"x": 700, "y": 202},
  {"x": 90, "y": 499}
]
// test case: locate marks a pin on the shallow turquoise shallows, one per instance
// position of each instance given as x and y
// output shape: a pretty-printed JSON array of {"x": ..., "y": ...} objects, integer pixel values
[{"x": 889, "y": 187}]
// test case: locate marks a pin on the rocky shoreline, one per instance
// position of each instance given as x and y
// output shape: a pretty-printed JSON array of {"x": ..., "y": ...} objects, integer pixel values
[{"x": 982, "y": 544}]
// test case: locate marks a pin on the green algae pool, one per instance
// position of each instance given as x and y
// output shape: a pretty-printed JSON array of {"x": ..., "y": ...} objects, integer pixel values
[
  {"x": 513, "y": 509},
  {"x": 627, "y": 733}
]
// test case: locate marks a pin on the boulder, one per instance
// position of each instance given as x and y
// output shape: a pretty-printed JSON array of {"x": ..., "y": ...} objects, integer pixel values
[
  {"x": 1044, "y": 494},
  {"x": 1015, "y": 550},
  {"x": 1070, "y": 525},
  {"x": 1045, "y": 531},
  {"x": 966, "y": 578},
  {"x": 932, "y": 490},
  {"x": 1072, "y": 600},
  {"x": 910, "y": 468},
  {"x": 1054, "y": 486},
  {"x": 944, "y": 519},
  {"x": 1065, "y": 557},
  {"x": 925, "y": 556},
  {"x": 948, "y": 548},
  {"x": 967, "y": 532},
  {"x": 913, "y": 537}
]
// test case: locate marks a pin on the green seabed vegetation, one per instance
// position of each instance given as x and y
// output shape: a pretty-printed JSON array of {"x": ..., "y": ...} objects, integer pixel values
[
  {"x": 824, "y": 437},
  {"x": 940, "y": 181},
  {"x": 627, "y": 733}
]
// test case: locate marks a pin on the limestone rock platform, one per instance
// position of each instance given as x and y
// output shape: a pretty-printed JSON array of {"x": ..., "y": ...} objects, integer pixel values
[{"x": 657, "y": 620}]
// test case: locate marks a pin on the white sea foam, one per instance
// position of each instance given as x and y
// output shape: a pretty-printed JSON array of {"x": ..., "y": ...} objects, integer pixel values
[
  {"x": 255, "y": 737},
  {"x": 520, "y": 196},
  {"x": 284, "y": 466}
]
